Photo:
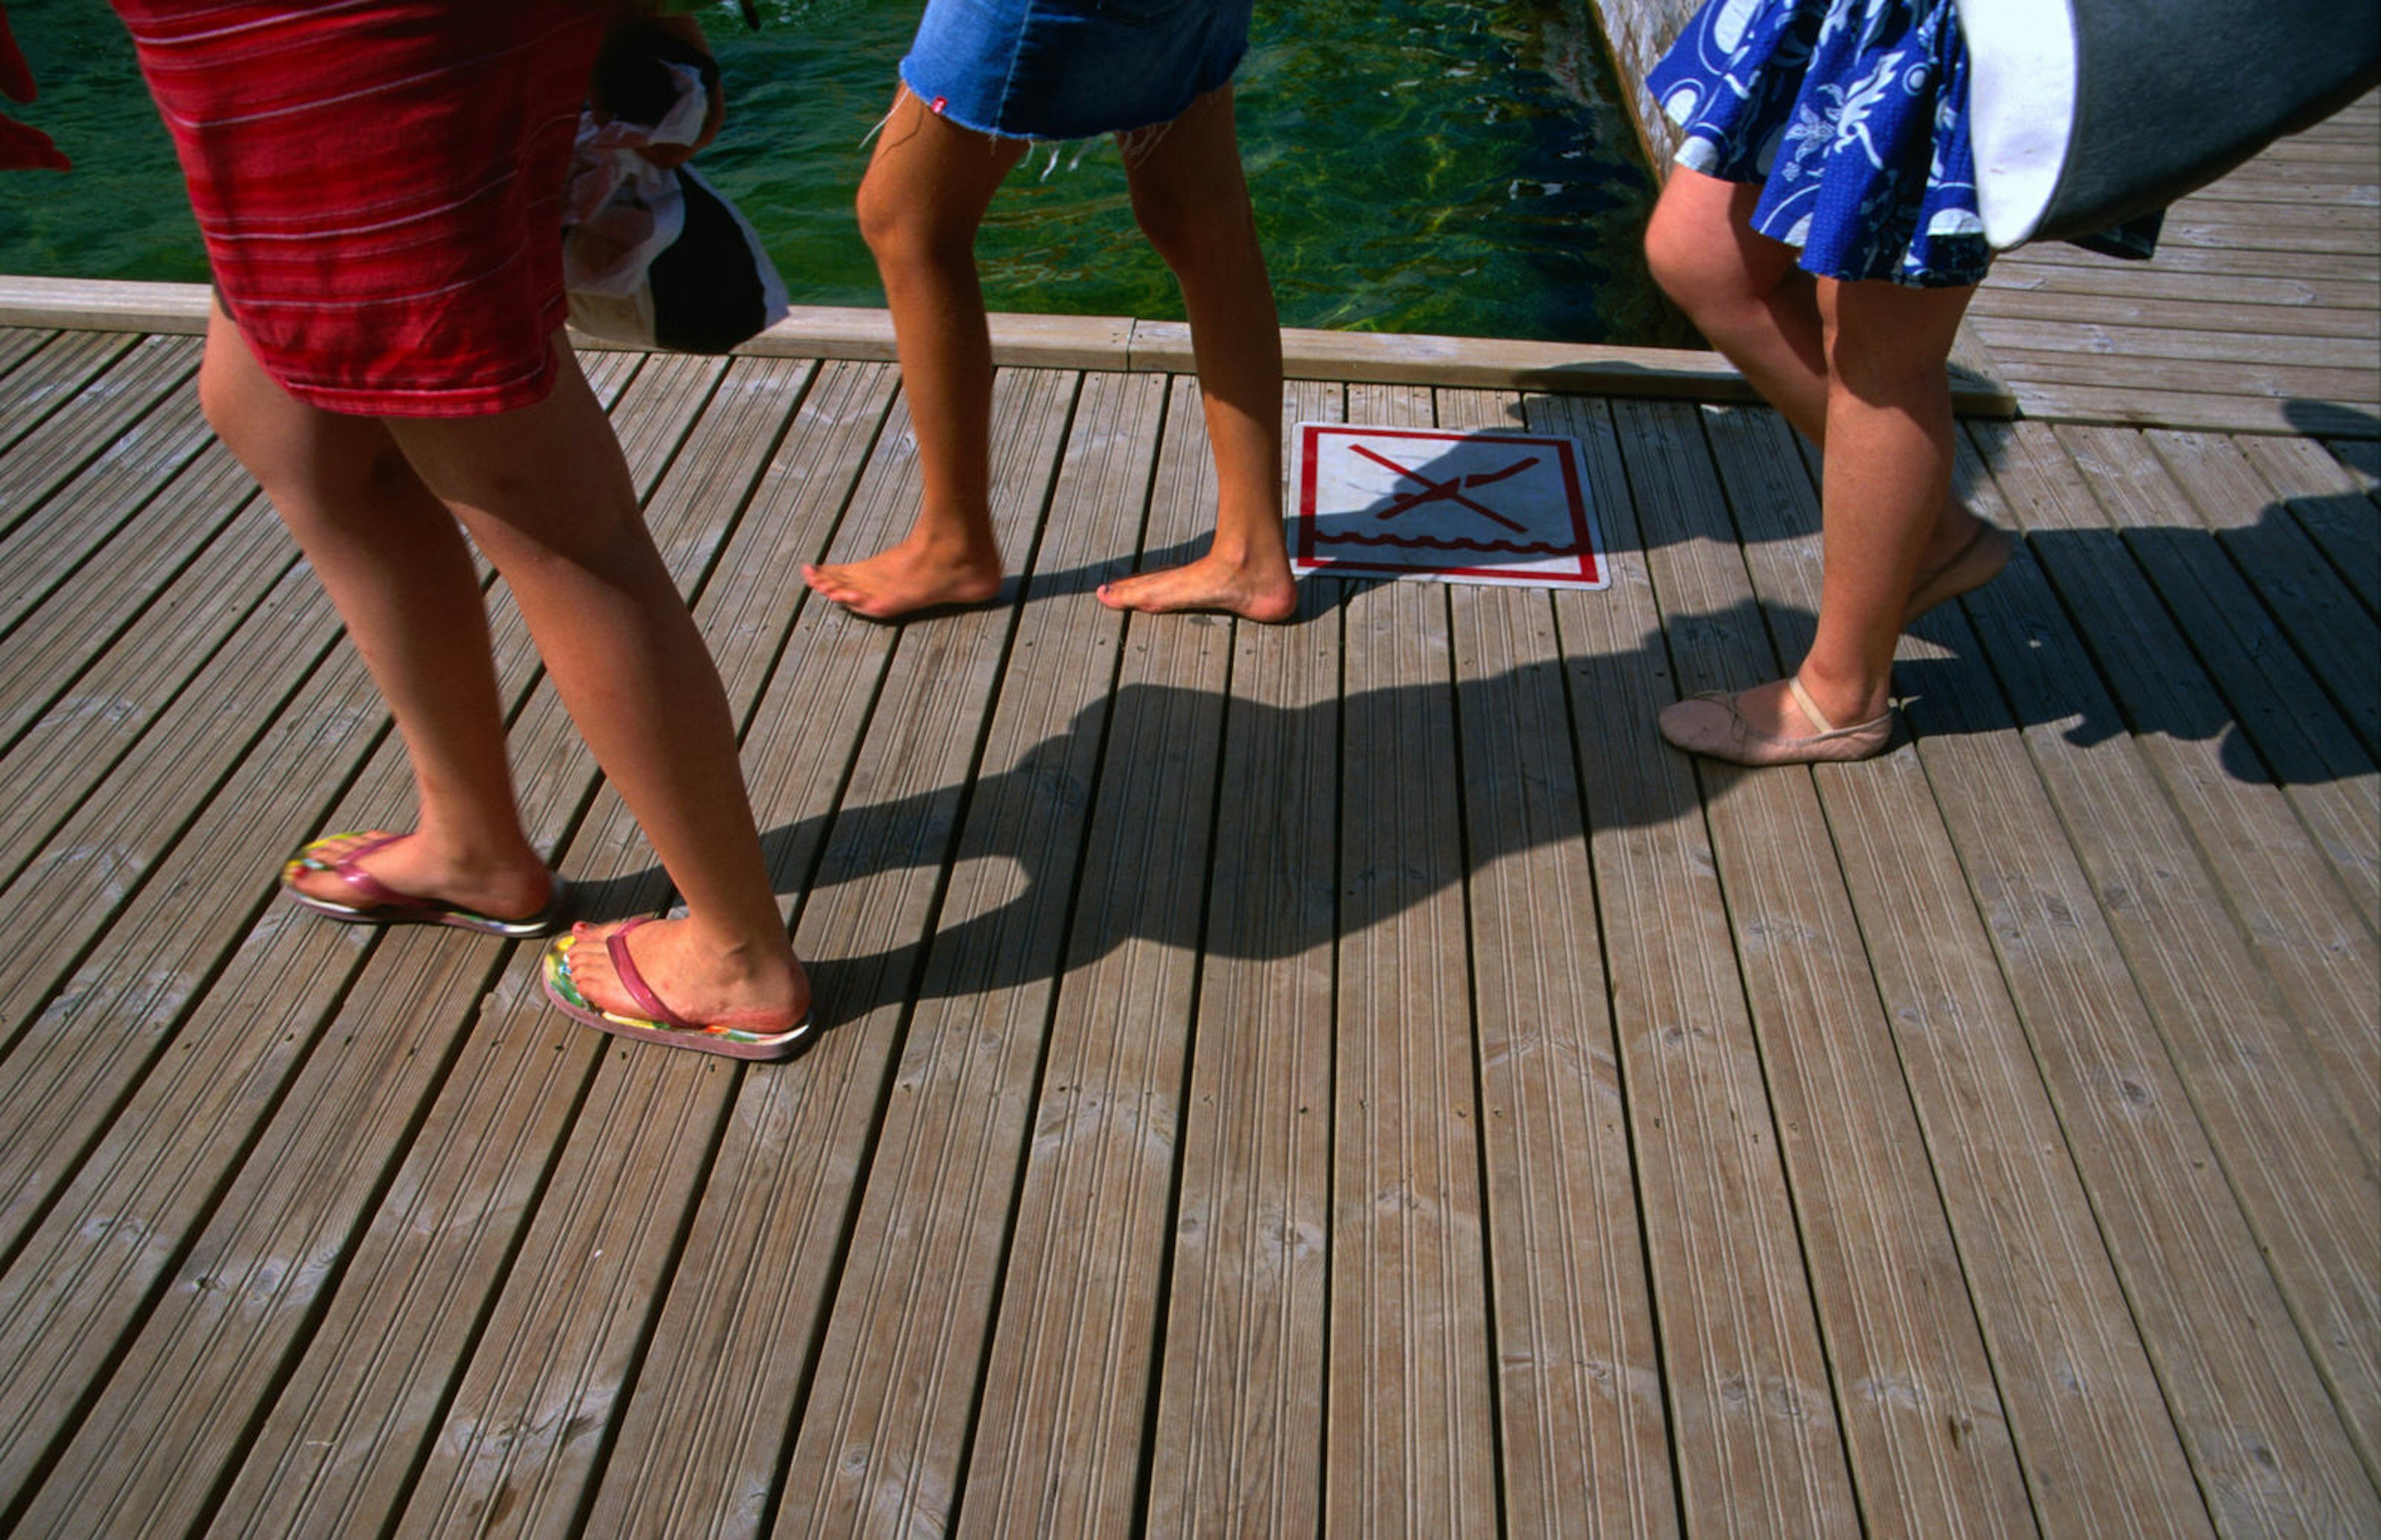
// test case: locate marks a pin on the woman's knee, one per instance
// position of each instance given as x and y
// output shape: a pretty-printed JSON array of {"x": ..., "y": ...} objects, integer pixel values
[
  {"x": 1698, "y": 262},
  {"x": 228, "y": 402},
  {"x": 905, "y": 231},
  {"x": 1180, "y": 236},
  {"x": 312, "y": 463},
  {"x": 1674, "y": 254},
  {"x": 1702, "y": 251}
]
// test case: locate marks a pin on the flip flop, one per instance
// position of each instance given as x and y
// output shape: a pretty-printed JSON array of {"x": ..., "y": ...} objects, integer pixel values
[
  {"x": 661, "y": 1025},
  {"x": 384, "y": 905}
]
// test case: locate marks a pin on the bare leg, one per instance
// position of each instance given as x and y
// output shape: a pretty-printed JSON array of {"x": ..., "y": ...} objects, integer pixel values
[
  {"x": 925, "y": 193},
  {"x": 396, "y": 568},
  {"x": 1193, "y": 203},
  {"x": 1761, "y": 312},
  {"x": 1888, "y": 472},
  {"x": 546, "y": 493},
  {"x": 1742, "y": 291}
]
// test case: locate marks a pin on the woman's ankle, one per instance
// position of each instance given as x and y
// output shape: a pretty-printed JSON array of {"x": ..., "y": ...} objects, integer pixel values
[{"x": 1846, "y": 698}]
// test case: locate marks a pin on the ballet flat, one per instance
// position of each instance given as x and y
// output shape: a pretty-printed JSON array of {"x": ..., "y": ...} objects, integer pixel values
[{"x": 1712, "y": 724}]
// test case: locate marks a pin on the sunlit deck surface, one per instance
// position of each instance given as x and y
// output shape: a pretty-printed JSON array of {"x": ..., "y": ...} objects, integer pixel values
[{"x": 1344, "y": 1076}]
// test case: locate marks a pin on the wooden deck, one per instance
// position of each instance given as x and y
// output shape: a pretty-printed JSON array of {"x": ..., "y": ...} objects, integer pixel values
[
  {"x": 1345, "y": 1076},
  {"x": 2260, "y": 314}
]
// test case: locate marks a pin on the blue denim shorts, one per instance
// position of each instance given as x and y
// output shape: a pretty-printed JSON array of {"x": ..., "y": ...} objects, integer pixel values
[{"x": 1072, "y": 68}]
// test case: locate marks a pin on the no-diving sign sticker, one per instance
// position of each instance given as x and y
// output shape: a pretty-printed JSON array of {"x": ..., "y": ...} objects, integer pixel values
[{"x": 1468, "y": 508}]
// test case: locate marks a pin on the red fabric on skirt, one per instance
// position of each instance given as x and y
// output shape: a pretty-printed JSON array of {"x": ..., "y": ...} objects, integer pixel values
[{"x": 380, "y": 186}]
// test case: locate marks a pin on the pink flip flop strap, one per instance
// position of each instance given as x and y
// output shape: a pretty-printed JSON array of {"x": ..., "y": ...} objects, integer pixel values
[
  {"x": 616, "y": 944},
  {"x": 378, "y": 892}
]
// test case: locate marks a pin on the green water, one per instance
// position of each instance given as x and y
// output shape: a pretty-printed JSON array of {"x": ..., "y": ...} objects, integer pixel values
[{"x": 1456, "y": 166}]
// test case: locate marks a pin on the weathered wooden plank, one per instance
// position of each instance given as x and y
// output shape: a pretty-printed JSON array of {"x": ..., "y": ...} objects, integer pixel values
[
  {"x": 19, "y": 343},
  {"x": 2328, "y": 976},
  {"x": 63, "y": 635},
  {"x": 88, "y": 513},
  {"x": 2305, "y": 931},
  {"x": 2278, "y": 180},
  {"x": 64, "y": 896},
  {"x": 2098, "y": 336},
  {"x": 765, "y": 1239},
  {"x": 2216, "y": 205},
  {"x": 2217, "y": 480},
  {"x": 2360, "y": 458},
  {"x": 347, "y": 1427},
  {"x": 897, "y": 1374},
  {"x": 1753, "y": 1426},
  {"x": 85, "y": 419},
  {"x": 2238, "y": 1062},
  {"x": 1069, "y": 1377},
  {"x": 1929, "y": 1444},
  {"x": 101, "y": 305},
  {"x": 2347, "y": 233},
  {"x": 1239, "y": 1417},
  {"x": 2265, "y": 181},
  {"x": 472, "y": 1467},
  {"x": 71, "y": 747},
  {"x": 2081, "y": 1404},
  {"x": 2290, "y": 261},
  {"x": 2205, "y": 321},
  {"x": 2330, "y": 496},
  {"x": 2208, "y": 1316},
  {"x": 703, "y": 1436},
  {"x": 1409, "y": 1441},
  {"x": 2281, "y": 382},
  {"x": 2316, "y": 146},
  {"x": 1582, "y": 1429},
  {"x": 2019, "y": 273},
  {"x": 2136, "y": 406},
  {"x": 2199, "y": 301},
  {"x": 1390, "y": 357},
  {"x": 175, "y": 974},
  {"x": 50, "y": 379}
]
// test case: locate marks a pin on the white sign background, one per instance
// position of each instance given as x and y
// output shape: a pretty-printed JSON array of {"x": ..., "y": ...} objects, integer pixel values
[{"x": 1472, "y": 507}]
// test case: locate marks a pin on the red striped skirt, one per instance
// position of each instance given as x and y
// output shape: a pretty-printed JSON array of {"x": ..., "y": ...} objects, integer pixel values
[{"x": 380, "y": 186}]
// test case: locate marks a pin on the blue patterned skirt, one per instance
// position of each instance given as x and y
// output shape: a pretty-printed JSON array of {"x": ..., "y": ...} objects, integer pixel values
[{"x": 1853, "y": 116}]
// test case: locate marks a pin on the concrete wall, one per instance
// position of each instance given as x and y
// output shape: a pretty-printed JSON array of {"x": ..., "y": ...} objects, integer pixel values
[{"x": 1639, "y": 32}]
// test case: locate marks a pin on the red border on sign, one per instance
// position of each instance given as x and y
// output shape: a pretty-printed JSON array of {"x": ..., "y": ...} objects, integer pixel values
[{"x": 1582, "y": 534}]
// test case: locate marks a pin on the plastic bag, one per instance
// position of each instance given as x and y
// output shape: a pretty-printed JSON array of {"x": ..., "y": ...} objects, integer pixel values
[{"x": 651, "y": 255}]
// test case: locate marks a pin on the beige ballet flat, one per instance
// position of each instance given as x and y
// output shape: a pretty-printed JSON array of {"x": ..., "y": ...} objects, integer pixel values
[{"x": 1710, "y": 724}]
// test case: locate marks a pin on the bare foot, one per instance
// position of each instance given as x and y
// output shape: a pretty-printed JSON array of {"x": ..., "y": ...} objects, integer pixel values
[
  {"x": 514, "y": 889},
  {"x": 921, "y": 572},
  {"x": 1252, "y": 590},
  {"x": 703, "y": 981},
  {"x": 1963, "y": 553},
  {"x": 1954, "y": 528}
]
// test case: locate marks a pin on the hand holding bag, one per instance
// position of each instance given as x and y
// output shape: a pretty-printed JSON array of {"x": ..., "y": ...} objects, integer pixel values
[{"x": 652, "y": 254}]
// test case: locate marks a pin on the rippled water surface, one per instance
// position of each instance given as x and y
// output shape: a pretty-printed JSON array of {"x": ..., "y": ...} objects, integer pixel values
[{"x": 1454, "y": 166}]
